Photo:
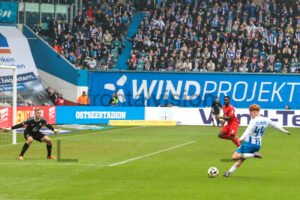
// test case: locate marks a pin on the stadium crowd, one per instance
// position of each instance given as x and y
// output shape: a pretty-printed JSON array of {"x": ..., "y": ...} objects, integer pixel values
[
  {"x": 221, "y": 36},
  {"x": 187, "y": 35},
  {"x": 95, "y": 38}
]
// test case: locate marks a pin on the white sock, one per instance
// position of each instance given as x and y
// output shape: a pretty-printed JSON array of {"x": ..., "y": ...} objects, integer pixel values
[
  {"x": 247, "y": 155},
  {"x": 232, "y": 169}
]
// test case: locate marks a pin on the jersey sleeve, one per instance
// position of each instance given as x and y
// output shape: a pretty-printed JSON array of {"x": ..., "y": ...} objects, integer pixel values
[
  {"x": 249, "y": 130},
  {"x": 49, "y": 126},
  {"x": 26, "y": 122},
  {"x": 273, "y": 124}
]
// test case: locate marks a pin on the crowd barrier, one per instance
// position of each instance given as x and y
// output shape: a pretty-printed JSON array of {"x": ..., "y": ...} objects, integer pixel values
[
  {"x": 201, "y": 116},
  {"x": 103, "y": 115}
]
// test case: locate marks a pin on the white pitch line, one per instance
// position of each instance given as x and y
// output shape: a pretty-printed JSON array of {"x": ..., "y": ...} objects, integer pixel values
[
  {"x": 97, "y": 165},
  {"x": 151, "y": 154}
]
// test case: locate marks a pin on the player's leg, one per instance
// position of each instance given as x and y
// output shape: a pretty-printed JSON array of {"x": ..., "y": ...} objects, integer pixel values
[
  {"x": 235, "y": 140},
  {"x": 48, "y": 142},
  {"x": 243, "y": 152},
  {"x": 233, "y": 131},
  {"x": 224, "y": 133},
  {"x": 218, "y": 122},
  {"x": 29, "y": 140},
  {"x": 234, "y": 167},
  {"x": 212, "y": 118}
]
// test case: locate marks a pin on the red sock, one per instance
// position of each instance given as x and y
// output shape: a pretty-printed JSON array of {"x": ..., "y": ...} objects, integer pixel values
[
  {"x": 226, "y": 137},
  {"x": 236, "y": 141}
]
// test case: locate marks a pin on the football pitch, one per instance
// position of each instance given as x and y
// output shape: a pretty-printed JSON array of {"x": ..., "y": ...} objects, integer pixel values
[{"x": 153, "y": 163}]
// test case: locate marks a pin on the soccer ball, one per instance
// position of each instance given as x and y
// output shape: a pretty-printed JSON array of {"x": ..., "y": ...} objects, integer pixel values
[{"x": 213, "y": 172}]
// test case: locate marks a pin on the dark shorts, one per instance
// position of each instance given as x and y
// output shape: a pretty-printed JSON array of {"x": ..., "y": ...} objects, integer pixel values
[
  {"x": 36, "y": 136},
  {"x": 216, "y": 112}
]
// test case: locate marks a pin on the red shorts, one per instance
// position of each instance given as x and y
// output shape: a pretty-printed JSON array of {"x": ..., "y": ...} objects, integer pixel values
[{"x": 231, "y": 129}]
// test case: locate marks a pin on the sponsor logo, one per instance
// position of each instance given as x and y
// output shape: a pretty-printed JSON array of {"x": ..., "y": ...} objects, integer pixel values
[
  {"x": 100, "y": 115},
  {"x": 181, "y": 91},
  {"x": 121, "y": 82},
  {"x": 4, "y": 117},
  {"x": 283, "y": 117}
]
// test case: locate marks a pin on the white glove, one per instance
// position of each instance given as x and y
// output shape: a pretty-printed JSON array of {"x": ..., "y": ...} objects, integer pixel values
[
  {"x": 56, "y": 132},
  {"x": 6, "y": 129}
]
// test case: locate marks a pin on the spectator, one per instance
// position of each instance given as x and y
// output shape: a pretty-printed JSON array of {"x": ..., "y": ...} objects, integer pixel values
[
  {"x": 83, "y": 100},
  {"x": 79, "y": 20},
  {"x": 107, "y": 38},
  {"x": 54, "y": 96},
  {"x": 114, "y": 100},
  {"x": 37, "y": 29},
  {"x": 48, "y": 90},
  {"x": 89, "y": 12},
  {"x": 60, "y": 100}
]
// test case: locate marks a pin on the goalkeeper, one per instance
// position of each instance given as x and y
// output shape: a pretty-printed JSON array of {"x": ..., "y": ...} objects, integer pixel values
[{"x": 32, "y": 132}]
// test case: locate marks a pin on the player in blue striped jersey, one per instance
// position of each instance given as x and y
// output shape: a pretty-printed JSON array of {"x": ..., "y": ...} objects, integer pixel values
[{"x": 252, "y": 138}]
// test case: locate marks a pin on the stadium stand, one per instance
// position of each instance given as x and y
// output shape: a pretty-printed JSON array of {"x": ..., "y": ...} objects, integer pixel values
[
  {"x": 218, "y": 36},
  {"x": 187, "y": 35},
  {"x": 95, "y": 38}
]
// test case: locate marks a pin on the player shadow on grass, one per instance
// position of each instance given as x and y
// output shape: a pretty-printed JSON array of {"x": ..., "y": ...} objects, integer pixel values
[{"x": 39, "y": 159}]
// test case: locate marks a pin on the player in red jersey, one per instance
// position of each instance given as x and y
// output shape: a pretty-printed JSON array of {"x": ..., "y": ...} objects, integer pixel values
[{"x": 229, "y": 131}]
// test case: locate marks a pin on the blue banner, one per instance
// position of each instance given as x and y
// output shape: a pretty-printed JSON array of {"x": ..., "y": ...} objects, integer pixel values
[
  {"x": 8, "y": 12},
  {"x": 96, "y": 115},
  {"x": 194, "y": 89}
]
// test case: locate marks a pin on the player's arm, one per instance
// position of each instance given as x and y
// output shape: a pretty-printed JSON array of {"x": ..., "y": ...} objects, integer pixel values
[
  {"x": 226, "y": 117},
  {"x": 247, "y": 132},
  {"x": 273, "y": 124},
  {"x": 16, "y": 126},
  {"x": 49, "y": 126},
  {"x": 229, "y": 116}
]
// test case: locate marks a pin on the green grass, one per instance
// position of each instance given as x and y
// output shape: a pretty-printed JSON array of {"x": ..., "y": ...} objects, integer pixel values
[{"x": 179, "y": 173}]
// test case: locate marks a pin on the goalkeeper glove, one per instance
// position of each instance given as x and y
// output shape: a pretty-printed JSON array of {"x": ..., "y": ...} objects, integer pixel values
[
  {"x": 56, "y": 132},
  {"x": 6, "y": 129}
]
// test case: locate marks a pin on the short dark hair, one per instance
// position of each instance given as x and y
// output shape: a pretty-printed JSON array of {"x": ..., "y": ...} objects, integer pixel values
[{"x": 227, "y": 97}]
